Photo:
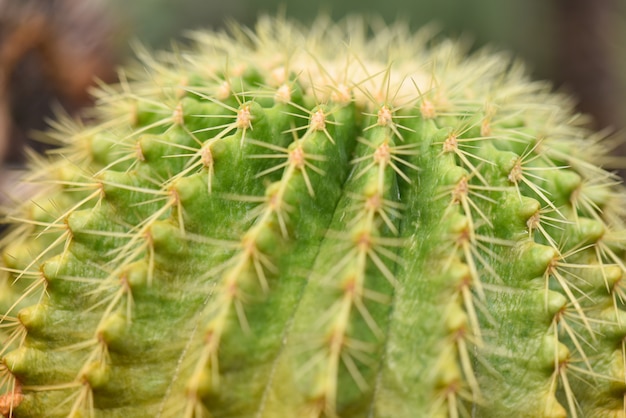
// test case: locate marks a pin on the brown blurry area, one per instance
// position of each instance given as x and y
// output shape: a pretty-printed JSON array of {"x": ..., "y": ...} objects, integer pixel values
[
  {"x": 586, "y": 57},
  {"x": 50, "y": 52}
]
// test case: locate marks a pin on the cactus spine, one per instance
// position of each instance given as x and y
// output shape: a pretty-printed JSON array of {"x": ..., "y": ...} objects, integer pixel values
[{"x": 318, "y": 223}]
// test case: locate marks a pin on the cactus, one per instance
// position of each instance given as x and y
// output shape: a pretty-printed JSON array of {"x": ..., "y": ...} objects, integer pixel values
[{"x": 318, "y": 223}]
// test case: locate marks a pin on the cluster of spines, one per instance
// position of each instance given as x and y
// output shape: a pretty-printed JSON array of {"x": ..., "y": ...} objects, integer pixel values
[
  {"x": 568, "y": 343},
  {"x": 488, "y": 153}
]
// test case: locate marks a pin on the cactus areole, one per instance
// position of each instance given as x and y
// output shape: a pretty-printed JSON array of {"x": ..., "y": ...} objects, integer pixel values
[{"x": 318, "y": 223}]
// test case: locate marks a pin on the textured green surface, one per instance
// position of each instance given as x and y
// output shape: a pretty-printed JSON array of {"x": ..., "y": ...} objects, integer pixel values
[{"x": 281, "y": 224}]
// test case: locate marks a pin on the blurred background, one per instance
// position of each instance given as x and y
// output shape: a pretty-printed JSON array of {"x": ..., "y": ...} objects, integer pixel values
[{"x": 50, "y": 50}]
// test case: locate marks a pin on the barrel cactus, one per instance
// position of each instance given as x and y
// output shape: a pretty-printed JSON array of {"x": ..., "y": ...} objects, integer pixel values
[{"x": 318, "y": 223}]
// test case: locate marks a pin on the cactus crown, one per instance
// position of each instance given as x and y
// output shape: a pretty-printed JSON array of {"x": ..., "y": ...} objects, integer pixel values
[{"x": 318, "y": 223}]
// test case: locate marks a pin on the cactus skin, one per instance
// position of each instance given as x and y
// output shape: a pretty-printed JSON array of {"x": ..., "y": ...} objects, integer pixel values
[{"x": 319, "y": 224}]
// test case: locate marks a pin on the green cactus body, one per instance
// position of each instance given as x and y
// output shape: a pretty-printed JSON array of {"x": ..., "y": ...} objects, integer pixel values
[{"x": 318, "y": 224}]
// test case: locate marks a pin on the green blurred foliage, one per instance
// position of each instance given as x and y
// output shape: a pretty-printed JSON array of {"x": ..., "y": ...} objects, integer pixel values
[{"x": 522, "y": 26}]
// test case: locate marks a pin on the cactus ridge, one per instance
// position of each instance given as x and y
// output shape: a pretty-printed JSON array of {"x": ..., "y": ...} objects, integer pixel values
[{"x": 320, "y": 223}]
